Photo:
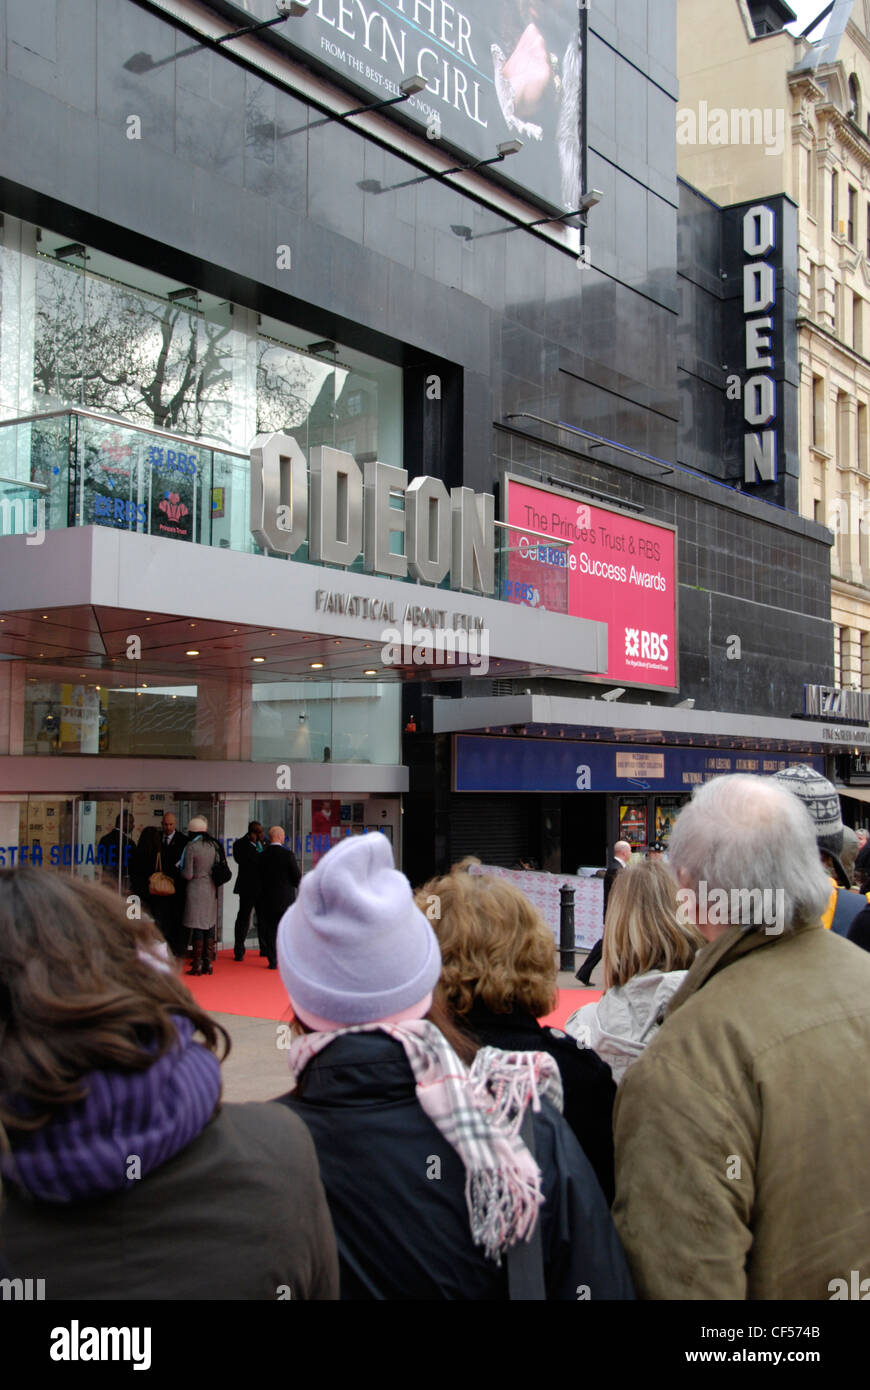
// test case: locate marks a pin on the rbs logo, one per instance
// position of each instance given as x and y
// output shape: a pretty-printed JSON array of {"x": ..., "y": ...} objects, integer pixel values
[{"x": 650, "y": 646}]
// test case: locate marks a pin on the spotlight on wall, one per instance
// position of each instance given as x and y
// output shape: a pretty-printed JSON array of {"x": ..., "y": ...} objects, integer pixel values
[
  {"x": 615, "y": 694},
  {"x": 74, "y": 248},
  {"x": 412, "y": 85},
  {"x": 590, "y": 199}
]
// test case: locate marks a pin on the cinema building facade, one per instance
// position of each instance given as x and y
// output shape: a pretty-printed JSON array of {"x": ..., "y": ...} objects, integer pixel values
[{"x": 342, "y": 476}]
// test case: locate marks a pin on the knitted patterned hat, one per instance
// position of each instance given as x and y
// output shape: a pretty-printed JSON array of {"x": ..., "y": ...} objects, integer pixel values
[{"x": 821, "y": 800}]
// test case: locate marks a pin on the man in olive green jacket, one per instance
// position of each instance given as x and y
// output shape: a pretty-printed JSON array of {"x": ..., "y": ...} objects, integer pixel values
[{"x": 742, "y": 1132}]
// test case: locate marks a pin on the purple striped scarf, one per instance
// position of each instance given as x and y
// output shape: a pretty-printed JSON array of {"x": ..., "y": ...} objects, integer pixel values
[{"x": 86, "y": 1149}]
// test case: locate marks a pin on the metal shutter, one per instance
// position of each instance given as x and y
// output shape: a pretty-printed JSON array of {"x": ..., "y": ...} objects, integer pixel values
[{"x": 494, "y": 828}]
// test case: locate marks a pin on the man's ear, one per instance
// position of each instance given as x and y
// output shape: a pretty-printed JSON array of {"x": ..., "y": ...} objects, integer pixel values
[{"x": 683, "y": 878}]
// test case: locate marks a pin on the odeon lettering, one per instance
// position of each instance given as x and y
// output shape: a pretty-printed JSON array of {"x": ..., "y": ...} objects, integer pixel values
[
  {"x": 759, "y": 391},
  {"x": 344, "y": 512}
]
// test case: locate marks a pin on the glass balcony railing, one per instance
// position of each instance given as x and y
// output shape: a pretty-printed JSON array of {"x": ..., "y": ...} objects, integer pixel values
[{"x": 76, "y": 467}]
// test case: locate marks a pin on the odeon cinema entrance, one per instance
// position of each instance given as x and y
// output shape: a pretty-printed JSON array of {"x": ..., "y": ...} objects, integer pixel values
[{"x": 93, "y": 835}]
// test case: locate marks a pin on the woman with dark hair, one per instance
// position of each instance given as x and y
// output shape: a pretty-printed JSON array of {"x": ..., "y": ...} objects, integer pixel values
[
  {"x": 498, "y": 978},
  {"x": 440, "y": 1162},
  {"x": 126, "y": 1178}
]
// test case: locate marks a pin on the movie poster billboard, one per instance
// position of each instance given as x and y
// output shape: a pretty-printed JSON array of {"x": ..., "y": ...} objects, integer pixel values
[
  {"x": 495, "y": 70},
  {"x": 601, "y": 564}
]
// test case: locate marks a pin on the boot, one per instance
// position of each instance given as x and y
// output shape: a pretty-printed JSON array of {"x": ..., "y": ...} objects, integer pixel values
[
  {"x": 196, "y": 963},
  {"x": 209, "y": 954}
]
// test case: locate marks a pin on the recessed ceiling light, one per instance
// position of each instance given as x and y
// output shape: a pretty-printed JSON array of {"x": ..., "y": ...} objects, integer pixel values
[
  {"x": 258, "y": 658},
  {"x": 192, "y": 652},
  {"x": 31, "y": 678},
  {"x": 191, "y": 625},
  {"x": 317, "y": 665},
  {"x": 273, "y": 634},
  {"x": 45, "y": 617},
  {"x": 99, "y": 687},
  {"x": 175, "y": 697},
  {"x": 144, "y": 685},
  {"x": 370, "y": 673}
]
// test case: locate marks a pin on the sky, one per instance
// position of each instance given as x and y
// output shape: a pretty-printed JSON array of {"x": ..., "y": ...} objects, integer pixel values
[{"x": 805, "y": 11}]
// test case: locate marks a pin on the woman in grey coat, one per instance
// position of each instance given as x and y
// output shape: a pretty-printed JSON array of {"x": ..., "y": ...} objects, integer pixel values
[{"x": 200, "y": 906}]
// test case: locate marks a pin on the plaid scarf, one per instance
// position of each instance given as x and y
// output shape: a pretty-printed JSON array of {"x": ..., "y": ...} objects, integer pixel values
[{"x": 479, "y": 1111}]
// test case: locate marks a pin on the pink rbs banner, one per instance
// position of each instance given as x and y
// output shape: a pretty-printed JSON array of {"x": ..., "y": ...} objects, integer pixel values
[{"x": 617, "y": 570}]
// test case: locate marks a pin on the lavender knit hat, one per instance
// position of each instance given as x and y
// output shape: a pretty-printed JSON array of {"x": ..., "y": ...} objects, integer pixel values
[{"x": 354, "y": 947}]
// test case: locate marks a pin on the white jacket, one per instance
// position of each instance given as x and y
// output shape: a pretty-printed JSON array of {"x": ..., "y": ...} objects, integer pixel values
[{"x": 625, "y": 1018}]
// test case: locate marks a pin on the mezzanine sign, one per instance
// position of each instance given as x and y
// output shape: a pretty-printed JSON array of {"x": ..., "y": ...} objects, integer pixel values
[
  {"x": 343, "y": 512},
  {"x": 829, "y": 702}
]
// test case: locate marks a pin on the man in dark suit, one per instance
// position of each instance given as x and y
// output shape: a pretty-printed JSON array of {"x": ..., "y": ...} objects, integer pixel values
[
  {"x": 247, "y": 852},
  {"x": 114, "y": 850},
  {"x": 168, "y": 911},
  {"x": 618, "y": 860},
  {"x": 279, "y": 879}
]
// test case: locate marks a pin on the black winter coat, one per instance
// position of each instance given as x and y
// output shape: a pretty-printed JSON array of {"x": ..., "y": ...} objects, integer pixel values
[
  {"x": 396, "y": 1189},
  {"x": 248, "y": 858},
  {"x": 589, "y": 1088},
  {"x": 279, "y": 878}
]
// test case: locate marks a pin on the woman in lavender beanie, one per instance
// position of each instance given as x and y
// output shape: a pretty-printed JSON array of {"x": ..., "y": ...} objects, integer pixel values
[{"x": 433, "y": 1190}]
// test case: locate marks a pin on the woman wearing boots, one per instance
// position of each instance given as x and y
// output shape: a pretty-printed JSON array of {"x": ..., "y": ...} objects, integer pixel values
[{"x": 200, "y": 905}]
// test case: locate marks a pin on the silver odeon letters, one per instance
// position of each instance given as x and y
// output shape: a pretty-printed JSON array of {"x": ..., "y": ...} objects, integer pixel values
[{"x": 343, "y": 512}]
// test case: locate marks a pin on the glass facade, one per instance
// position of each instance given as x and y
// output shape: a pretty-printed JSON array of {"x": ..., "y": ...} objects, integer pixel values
[{"x": 81, "y": 328}]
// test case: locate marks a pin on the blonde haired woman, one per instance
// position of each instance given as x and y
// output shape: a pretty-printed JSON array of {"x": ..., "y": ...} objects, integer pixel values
[
  {"x": 646, "y": 955},
  {"x": 498, "y": 977}
]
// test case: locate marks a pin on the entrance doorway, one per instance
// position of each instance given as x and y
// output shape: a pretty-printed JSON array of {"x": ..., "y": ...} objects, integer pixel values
[{"x": 93, "y": 835}]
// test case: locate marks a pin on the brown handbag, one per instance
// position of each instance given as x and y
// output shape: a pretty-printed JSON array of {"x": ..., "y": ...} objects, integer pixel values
[{"x": 160, "y": 885}]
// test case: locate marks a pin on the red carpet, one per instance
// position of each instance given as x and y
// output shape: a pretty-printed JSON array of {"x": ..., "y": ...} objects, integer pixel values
[{"x": 250, "y": 989}]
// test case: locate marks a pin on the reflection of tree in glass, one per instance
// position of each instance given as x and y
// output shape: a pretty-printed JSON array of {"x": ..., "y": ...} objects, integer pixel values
[
  {"x": 123, "y": 351},
  {"x": 288, "y": 387},
  {"x": 128, "y": 352}
]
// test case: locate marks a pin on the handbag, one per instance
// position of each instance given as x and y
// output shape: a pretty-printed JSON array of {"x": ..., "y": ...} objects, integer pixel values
[
  {"x": 160, "y": 885},
  {"x": 221, "y": 872}
]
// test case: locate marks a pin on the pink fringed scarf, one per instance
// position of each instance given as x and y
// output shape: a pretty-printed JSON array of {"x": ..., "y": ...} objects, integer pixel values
[{"x": 479, "y": 1110}]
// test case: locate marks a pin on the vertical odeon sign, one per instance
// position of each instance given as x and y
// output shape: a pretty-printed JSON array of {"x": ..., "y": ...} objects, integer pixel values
[
  {"x": 759, "y": 302},
  {"x": 344, "y": 512}
]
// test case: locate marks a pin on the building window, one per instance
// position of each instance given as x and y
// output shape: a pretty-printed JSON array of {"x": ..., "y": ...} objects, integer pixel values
[
  {"x": 857, "y": 323},
  {"x": 810, "y": 181},
  {"x": 843, "y": 459},
  {"x": 818, "y": 412},
  {"x": 865, "y": 660},
  {"x": 818, "y": 510},
  {"x": 835, "y": 202},
  {"x": 862, "y": 437},
  {"x": 838, "y": 663},
  {"x": 854, "y": 99},
  {"x": 853, "y": 214}
]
